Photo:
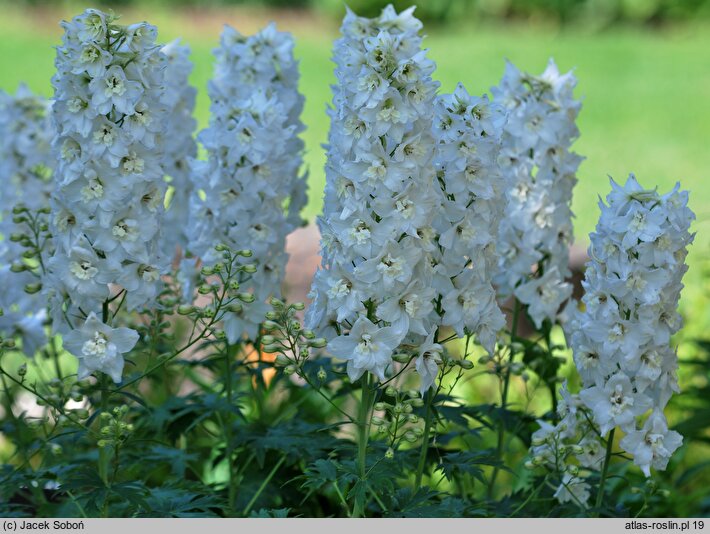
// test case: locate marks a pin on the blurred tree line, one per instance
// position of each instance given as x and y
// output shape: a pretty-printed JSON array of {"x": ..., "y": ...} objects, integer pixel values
[{"x": 596, "y": 13}]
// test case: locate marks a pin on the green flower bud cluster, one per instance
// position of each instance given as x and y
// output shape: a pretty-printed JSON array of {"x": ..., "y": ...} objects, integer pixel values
[
  {"x": 395, "y": 420},
  {"x": 287, "y": 338},
  {"x": 114, "y": 430},
  {"x": 220, "y": 281},
  {"x": 32, "y": 234},
  {"x": 60, "y": 392}
]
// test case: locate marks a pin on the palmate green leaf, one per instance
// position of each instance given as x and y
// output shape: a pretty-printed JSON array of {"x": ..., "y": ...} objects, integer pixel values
[
  {"x": 179, "y": 415},
  {"x": 173, "y": 501},
  {"x": 430, "y": 503},
  {"x": 469, "y": 463},
  {"x": 319, "y": 473},
  {"x": 293, "y": 437},
  {"x": 517, "y": 422},
  {"x": 177, "y": 459},
  {"x": 279, "y": 513}
]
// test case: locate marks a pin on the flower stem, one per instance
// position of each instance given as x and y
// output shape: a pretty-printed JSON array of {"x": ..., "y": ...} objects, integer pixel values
[
  {"x": 230, "y": 351},
  {"x": 425, "y": 441},
  {"x": 363, "y": 424},
  {"x": 263, "y": 485},
  {"x": 605, "y": 470},
  {"x": 104, "y": 458},
  {"x": 504, "y": 399}
]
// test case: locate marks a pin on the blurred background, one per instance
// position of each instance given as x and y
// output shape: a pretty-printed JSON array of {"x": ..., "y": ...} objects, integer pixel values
[{"x": 644, "y": 77}]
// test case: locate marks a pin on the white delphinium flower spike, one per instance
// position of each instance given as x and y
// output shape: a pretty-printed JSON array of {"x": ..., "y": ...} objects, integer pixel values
[
  {"x": 180, "y": 145},
  {"x": 468, "y": 132},
  {"x": 253, "y": 167},
  {"x": 621, "y": 341},
  {"x": 380, "y": 197},
  {"x": 26, "y": 167},
  {"x": 110, "y": 114},
  {"x": 540, "y": 169}
]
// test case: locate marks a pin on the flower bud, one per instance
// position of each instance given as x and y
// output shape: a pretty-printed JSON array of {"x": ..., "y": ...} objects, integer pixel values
[
  {"x": 389, "y": 454},
  {"x": 235, "y": 307},
  {"x": 16, "y": 238},
  {"x": 390, "y": 391},
  {"x": 31, "y": 289},
  {"x": 246, "y": 253},
  {"x": 322, "y": 375},
  {"x": 185, "y": 309},
  {"x": 318, "y": 343},
  {"x": 376, "y": 420},
  {"x": 300, "y": 306},
  {"x": 249, "y": 268},
  {"x": 290, "y": 369},
  {"x": 282, "y": 360},
  {"x": 18, "y": 267},
  {"x": 484, "y": 359},
  {"x": 410, "y": 436},
  {"x": 246, "y": 297},
  {"x": 22, "y": 370},
  {"x": 401, "y": 358},
  {"x": 276, "y": 303},
  {"x": 207, "y": 271},
  {"x": 204, "y": 289},
  {"x": 464, "y": 364},
  {"x": 272, "y": 348}
]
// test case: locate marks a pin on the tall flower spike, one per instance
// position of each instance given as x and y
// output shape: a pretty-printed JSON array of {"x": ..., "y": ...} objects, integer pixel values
[
  {"x": 468, "y": 133},
  {"x": 375, "y": 280},
  {"x": 254, "y": 162},
  {"x": 110, "y": 114},
  {"x": 25, "y": 174},
  {"x": 539, "y": 167},
  {"x": 621, "y": 341},
  {"x": 180, "y": 145}
]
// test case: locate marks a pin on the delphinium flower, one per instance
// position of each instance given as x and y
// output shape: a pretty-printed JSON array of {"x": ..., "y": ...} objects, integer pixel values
[
  {"x": 621, "y": 341},
  {"x": 180, "y": 145},
  {"x": 539, "y": 167},
  {"x": 25, "y": 174},
  {"x": 110, "y": 115},
  {"x": 468, "y": 133},
  {"x": 374, "y": 289},
  {"x": 253, "y": 188}
]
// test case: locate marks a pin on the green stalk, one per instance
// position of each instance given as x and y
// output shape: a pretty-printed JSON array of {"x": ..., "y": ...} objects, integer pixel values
[
  {"x": 504, "y": 399},
  {"x": 363, "y": 424},
  {"x": 605, "y": 470},
  {"x": 104, "y": 458},
  {"x": 229, "y": 352},
  {"x": 263, "y": 485},
  {"x": 425, "y": 441}
]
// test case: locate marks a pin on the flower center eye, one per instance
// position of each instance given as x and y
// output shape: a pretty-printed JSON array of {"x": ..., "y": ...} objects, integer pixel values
[
  {"x": 96, "y": 346},
  {"x": 83, "y": 270}
]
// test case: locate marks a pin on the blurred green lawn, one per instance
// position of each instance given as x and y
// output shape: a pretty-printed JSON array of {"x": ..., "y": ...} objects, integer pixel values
[{"x": 646, "y": 94}]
